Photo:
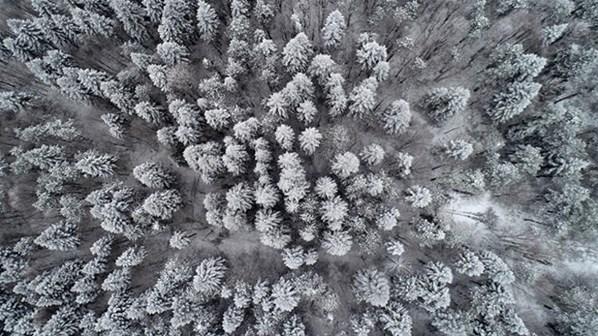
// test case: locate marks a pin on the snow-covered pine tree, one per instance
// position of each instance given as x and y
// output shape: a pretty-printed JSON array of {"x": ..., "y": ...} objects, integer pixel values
[
  {"x": 284, "y": 295},
  {"x": 61, "y": 237},
  {"x": 293, "y": 257},
  {"x": 163, "y": 204},
  {"x": 232, "y": 319},
  {"x": 176, "y": 24},
  {"x": 418, "y": 196},
  {"x": 240, "y": 197},
  {"x": 371, "y": 286},
  {"x": 362, "y": 99},
  {"x": 95, "y": 164},
  {"x": 118, "y": 280},
  {"x": 512, "y": 101},
  {"x": 172, "y": 53},
  {"x": 321, "y": 67},
  {"x": 209, "y": 275},
  {"x": 179, "y": 240},
  {"x": 337, "y": 243},
  {"x": 132, "y": 17},
  {"x": 133, "y": 256},
  {"x": 458, "y": 149},
  {"x": 344, "y": 165},
  {"x": 372, "y": 155},
  {"x": 469, "y": 264},
  {"x": 396, "y": 320},
  {"x": 206, "y": 159},
  {"x": 443, "y": 103},
  {"x": 309, "y": 140},
  {"x": 397, "y": 117},
  {"x": 334, "y": 28},
  {"x": 370, "y": 54},
  {"x": 207, "y": 21},
  {"x": 285, "y": 136},
  {"x": 153, "y": 175},
  {"x": 115, "y": 123},
  {"x": 297, "y": 53}
]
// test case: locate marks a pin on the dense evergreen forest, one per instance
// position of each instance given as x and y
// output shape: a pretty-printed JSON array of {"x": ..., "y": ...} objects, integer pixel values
[{"x": 292, "y": 168}]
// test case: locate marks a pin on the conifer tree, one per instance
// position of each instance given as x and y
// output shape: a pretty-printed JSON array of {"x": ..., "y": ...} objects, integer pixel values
[
  {"x": 232, "y": 319},
  {"x": 528, "y": 159},
  {"x": 150, "y": 112},
  {"x": 209, "y": 275},
  {"x": 102, "y": 247},
  {"x": 337, "y": 243},
  {"x": 297, "y": 53},
  {"x": 240, "y": 197},
  {"x": 61, "y": 237},
  {"x": 218, "y": 119},
  {"x": 469, "y": 264},
  {"x": 321, "y": 67},
  {"x": 362, "y": 99},
  {"x": 163, "y": 204},
  {"x": 372, "y": 287},
  {"x": 176, "y": 21},
  {"x": 306, "y": 112},
  {"x": 92, "y": 79},
  {"x": 235, "y": 157},
  {"x": 388, "y": 219},
  {"x": 326, "y": 187},
  {"x": 158, "y": 75},
  {"x": 153, "y": 9},
  {"x": 371, "y": 54},
  {"x": 64, "y": 321},
  {"x": 309, "y": 140},
  {"x": 336, "y": 97},
  {"x": 345, "y": 165},
  {"x": 206, "y": 159},
  {"x": 95, "y": 164},
  {"x": 45, "y": 7},
  {"x": 372, "y": 155},
  {"x": 397, "y": 117},
  {"x": 153, "y": 175},
  {"x": 44, "y": 157},
  {"x": 118, "y": 280},
  {"x": 179, "y": 240},
  {"x": 247, "y": 130},
  {"x": 395, "y": 247},
  {"x": 285, "y": 136},
  {"x": 207, "y": 21},
  {"x": 131, "y": 15},
  {"x": 334, "y": 211},
  {"x": 293, "y": 327},
  {"x": 115, "y": 123},
  {"x": 428, "y": 231},
  {"x": 278, "y": 105},
  {"x": 91, "y": 23},
  {"x": 553, "y": 33},
  {"x": 133, "y": 256},
  {"x": 118, "y": 95},
  {"x": 172, "y": 53},
  {"x": 292, "y": 180},
  {"x": 458, "y": 149},
  {"x": 443, "y": 103},
  {"x": 333, "y": 31},
  {"x": 284, "y": 295},
  {"x": 266, "y": 195},
  {"x": 298, "y": 90},
  {"x": 294, "y": 257},
  {"x": 396, "y": 320},
  {"x": 511, "y": 102},
  {"x": 14, "y": 101}
]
